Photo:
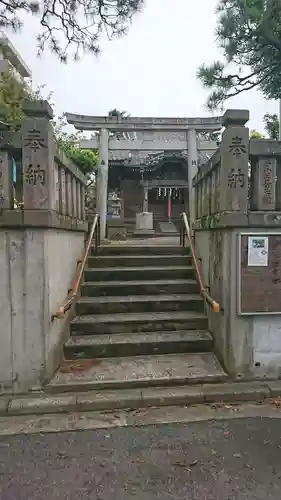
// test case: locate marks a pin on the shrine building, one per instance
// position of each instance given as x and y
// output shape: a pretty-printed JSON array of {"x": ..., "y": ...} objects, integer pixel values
[{"x": 147, "y": 166}]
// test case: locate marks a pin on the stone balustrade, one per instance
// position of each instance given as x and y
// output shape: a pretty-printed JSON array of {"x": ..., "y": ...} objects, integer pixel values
[
  {"x": 237, "y": 234},
  {"x": 71, "y": 185},
  {"x": 47, "y": 189},
  {"x": 222, "y": 184},
  {"x": 241, "y": 183},
  {"x": 42, "y": 237}
]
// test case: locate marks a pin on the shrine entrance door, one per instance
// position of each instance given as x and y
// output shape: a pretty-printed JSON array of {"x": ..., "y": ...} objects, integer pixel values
[{"x": 166, "y": 203}]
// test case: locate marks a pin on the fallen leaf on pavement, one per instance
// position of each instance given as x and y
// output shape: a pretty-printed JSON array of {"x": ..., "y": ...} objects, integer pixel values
[
  {"x": 275, "y": 401},
  {"x": 78, "y": 367},
  {"x": 227, "y": 433},
  {"x": 195, "y": 462},
  {"x": 185, "y": 465},
  {"x": 249, "y": 466},
  {"x": 216, "y": 406}
]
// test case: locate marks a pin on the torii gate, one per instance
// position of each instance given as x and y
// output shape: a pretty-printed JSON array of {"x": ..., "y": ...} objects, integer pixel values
[{"x": 143, "y": 137}]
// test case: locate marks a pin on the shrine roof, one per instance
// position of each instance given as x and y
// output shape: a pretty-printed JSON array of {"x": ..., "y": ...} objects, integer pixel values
[{"x": 154, "y": 159}]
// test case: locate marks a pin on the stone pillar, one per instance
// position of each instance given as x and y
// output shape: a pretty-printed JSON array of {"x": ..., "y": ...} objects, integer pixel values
[
  {"x": 39, "y": 180},
  {"x": 82, "y": 197},
  {"x": 63, "y": 191},
  {"x": 192, "y": 171},
  {"x": 102, "y": 180},
  {"x": 233, "y": 190}
]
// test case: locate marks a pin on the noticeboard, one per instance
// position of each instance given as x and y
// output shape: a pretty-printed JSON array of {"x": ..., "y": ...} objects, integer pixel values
[{"x": 259, "y": 290}]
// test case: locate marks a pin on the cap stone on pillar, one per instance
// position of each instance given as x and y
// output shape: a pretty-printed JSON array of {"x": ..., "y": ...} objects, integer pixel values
[
  {"x": 235, "y": 117},
  {"x": 38, "y": 109}
]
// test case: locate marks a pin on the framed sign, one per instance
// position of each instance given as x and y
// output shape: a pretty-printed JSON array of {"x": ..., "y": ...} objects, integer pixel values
[
  {"x": 259, "y": 273},
  {"x": 258, "y": 251}
]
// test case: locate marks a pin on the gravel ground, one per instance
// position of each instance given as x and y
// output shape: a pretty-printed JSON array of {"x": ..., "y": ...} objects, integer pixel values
[{"x": 215, "y": 460}]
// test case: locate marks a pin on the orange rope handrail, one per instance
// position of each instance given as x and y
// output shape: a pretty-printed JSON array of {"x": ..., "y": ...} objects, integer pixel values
[
  {"x": 215, "y": 305},
  {"x": 81, "y": 266}
]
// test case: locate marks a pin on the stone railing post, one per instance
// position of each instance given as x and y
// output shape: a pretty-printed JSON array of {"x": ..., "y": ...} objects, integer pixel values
[
  {"x": 39, "y": 179},
  {"x": 6, "y": 189},
  {"x": 234, "y": 180}
]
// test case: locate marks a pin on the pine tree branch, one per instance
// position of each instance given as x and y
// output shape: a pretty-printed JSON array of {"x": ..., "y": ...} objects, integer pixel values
[{"x": 72, "y": 24}]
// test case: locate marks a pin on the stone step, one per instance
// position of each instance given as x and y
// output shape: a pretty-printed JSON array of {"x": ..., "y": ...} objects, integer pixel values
[
  {"x": 164, "y": 235},
  {"x": 137, "y": 371},
  {"x": 138, "y": 322},
  {"x": 137, "y": 249},
  {"x": 141, "y": 287},
  {"x": 138, "y": 344},
  {"x": 221, "y": 394},
  {"x": 139, "y": 303},
  {"x": 139, "y": 273},
  {"x": 139, "y": 260}
]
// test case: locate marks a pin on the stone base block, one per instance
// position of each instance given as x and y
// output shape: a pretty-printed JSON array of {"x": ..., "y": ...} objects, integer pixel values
[{"x": 144, "y": 221}]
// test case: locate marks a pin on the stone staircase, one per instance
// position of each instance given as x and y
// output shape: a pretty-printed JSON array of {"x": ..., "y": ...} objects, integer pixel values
[{"x": 140, "y": 323}]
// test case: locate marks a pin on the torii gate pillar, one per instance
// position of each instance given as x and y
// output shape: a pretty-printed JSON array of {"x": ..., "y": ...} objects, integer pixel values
[
  {"x": 192, "y": 171},
  {"x": 102, "y": 181}
]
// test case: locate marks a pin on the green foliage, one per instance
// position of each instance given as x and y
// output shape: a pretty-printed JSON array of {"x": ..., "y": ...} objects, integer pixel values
[
  {"x": 249, "y": 34},
  {"x": 75, "y": 25},
  {"x": 120, "y": 114},
  {"x": 85, "y": 159},
  {"x": 254, "y": 134},
  {"x": 271, "y": 125},
  {"x": 13, "y": 93}
]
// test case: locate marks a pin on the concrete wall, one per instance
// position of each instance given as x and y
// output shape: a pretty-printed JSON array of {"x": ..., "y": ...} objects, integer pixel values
[
  {"x": 214, "y": 253},
  {"x": 37, "y": 267},
  {"x": 249, "y": 345},
  {"x": 267, "y": 346}
]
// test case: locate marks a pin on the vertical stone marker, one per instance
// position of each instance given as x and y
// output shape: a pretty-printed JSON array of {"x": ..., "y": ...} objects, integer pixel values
[
  {"x": 39, "y": 189},
  {"x": 265, "y": 184},
  {"x": 234, "y": 180}
]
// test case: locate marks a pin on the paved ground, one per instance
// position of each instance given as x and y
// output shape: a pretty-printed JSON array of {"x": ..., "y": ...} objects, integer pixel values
[{"x": 236, "y": 459}]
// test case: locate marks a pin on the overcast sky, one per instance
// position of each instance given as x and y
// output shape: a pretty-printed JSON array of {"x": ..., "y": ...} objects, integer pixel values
[{"x": 150, "y": 72}]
